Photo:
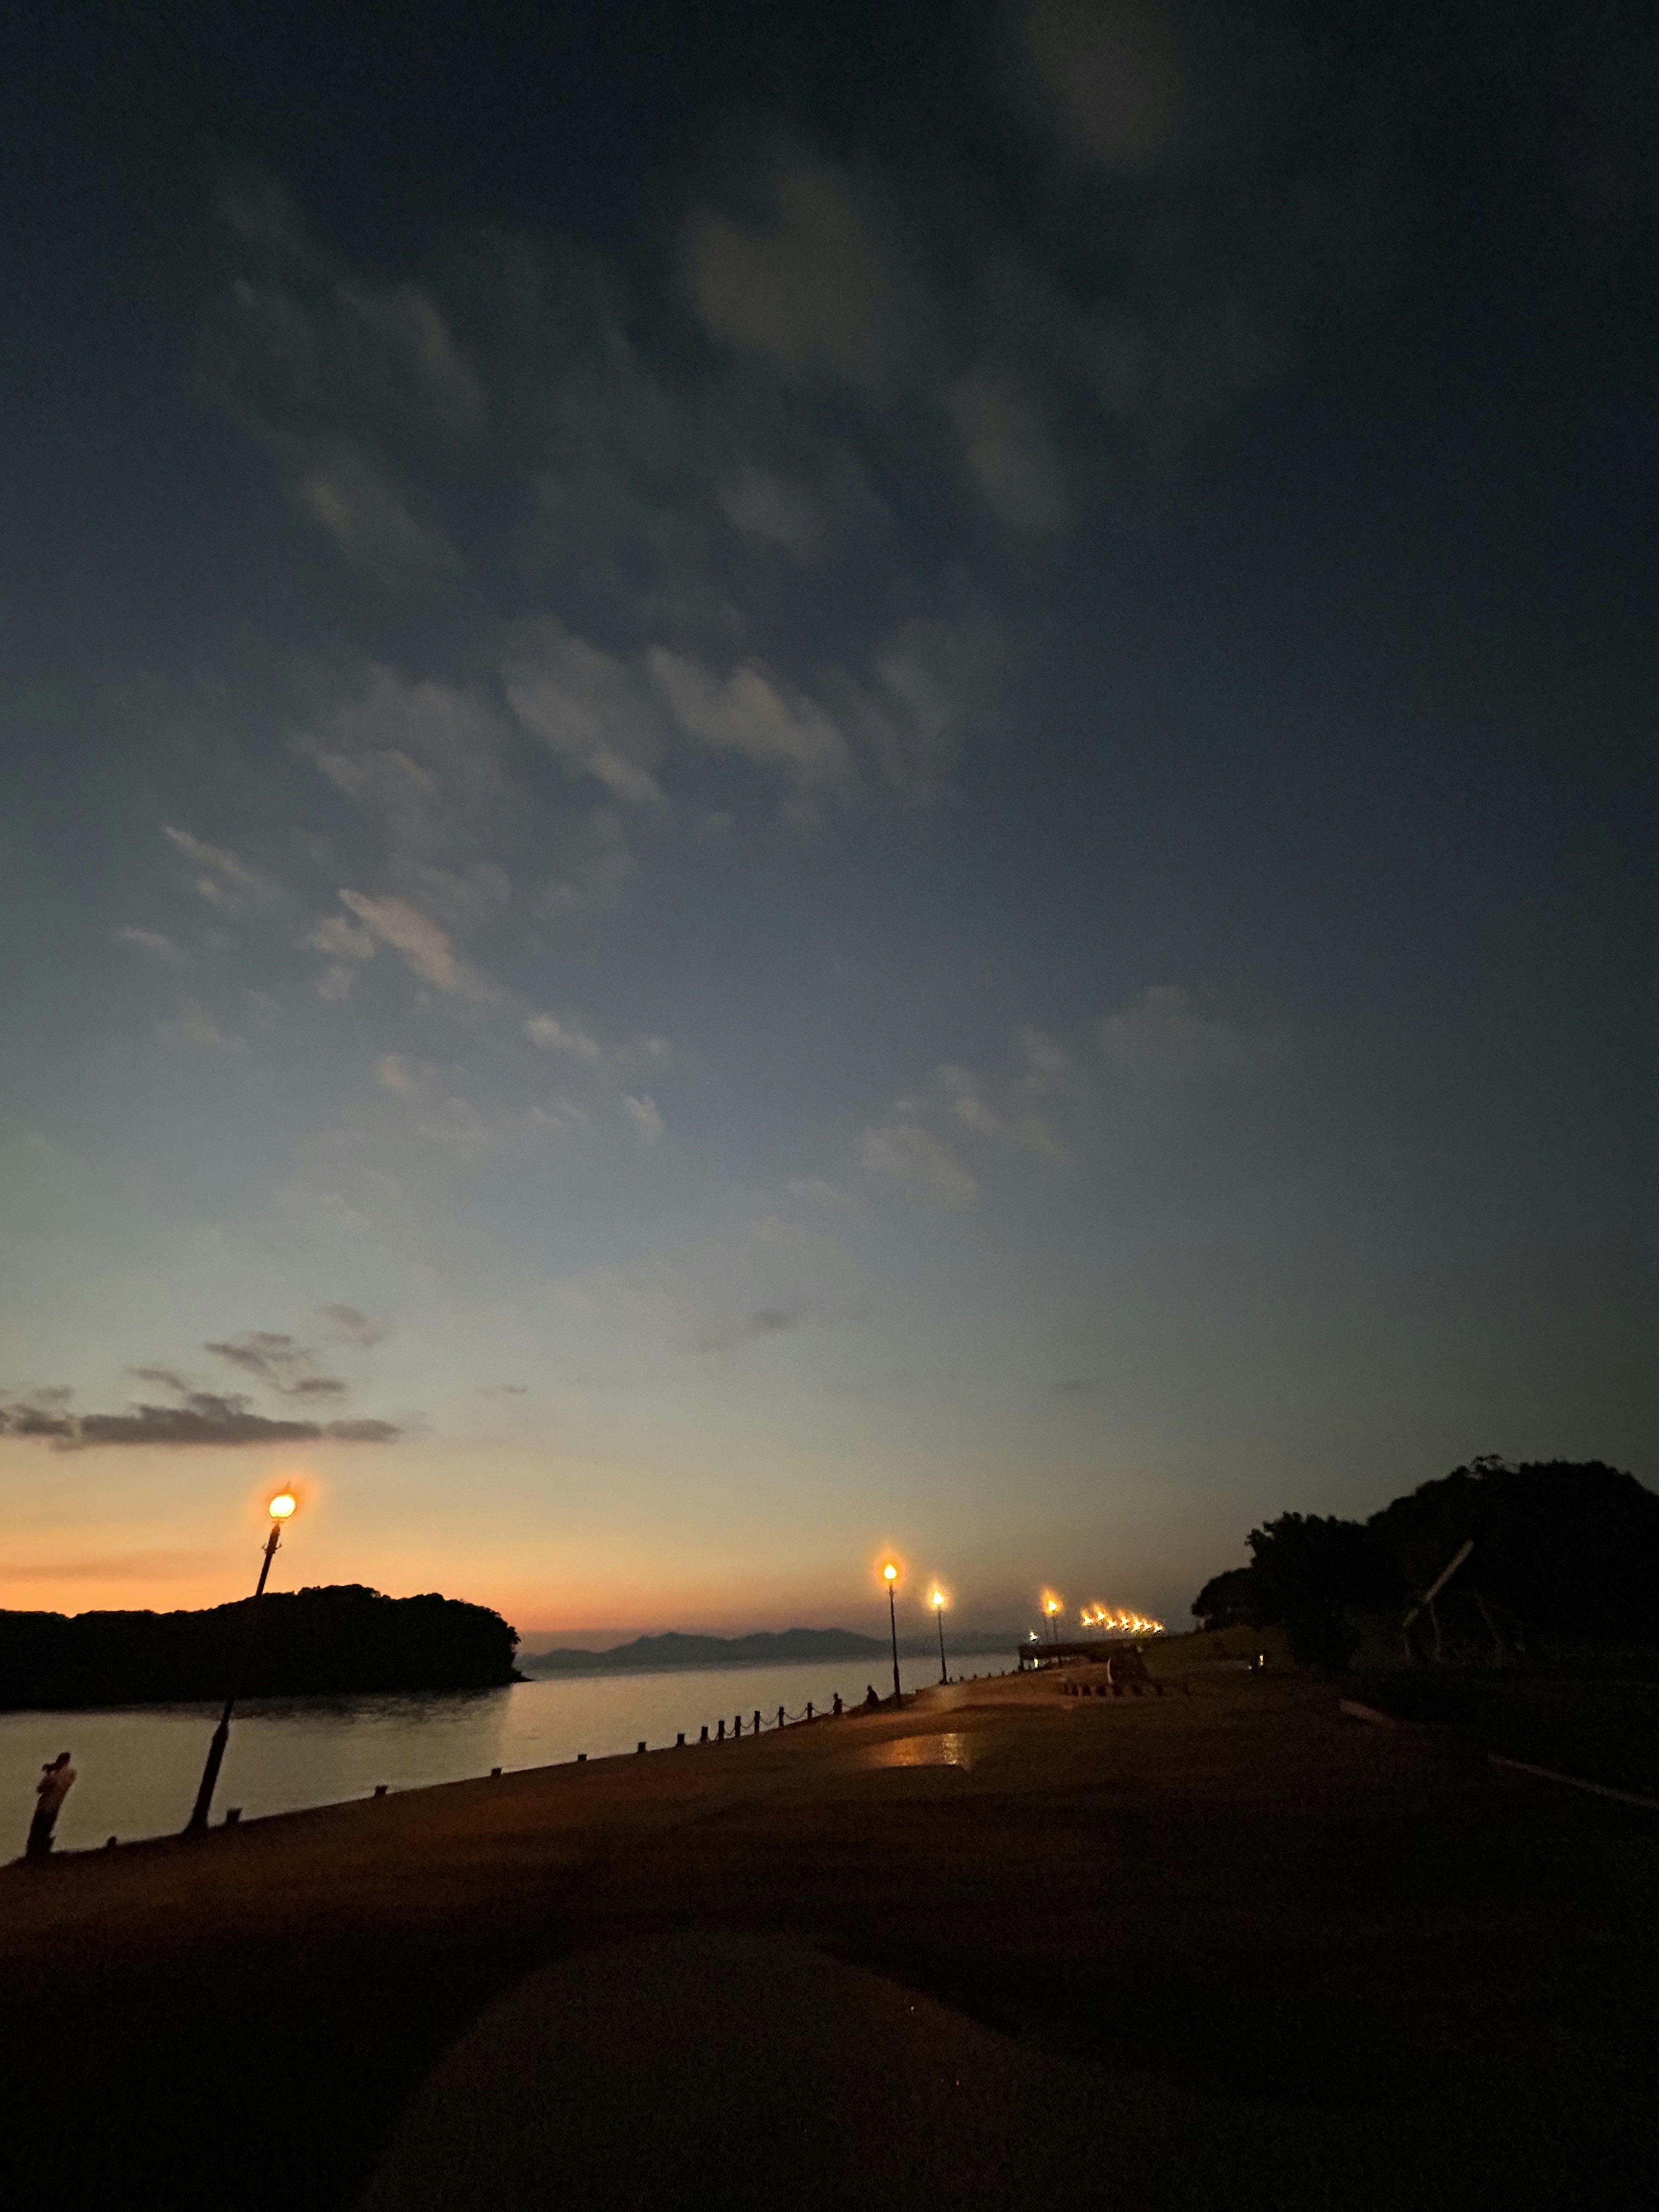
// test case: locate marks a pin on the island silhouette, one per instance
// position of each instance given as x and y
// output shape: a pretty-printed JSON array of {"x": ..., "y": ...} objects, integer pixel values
[{"x": 337, "y": 1638}]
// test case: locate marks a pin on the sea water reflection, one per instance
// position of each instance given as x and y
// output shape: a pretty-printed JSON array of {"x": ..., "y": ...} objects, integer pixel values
[{"x": 138, "y": 1765}]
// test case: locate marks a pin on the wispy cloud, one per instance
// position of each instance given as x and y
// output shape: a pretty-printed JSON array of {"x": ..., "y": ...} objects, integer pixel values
[
  {"x": 1019, "y": 1108},
  {"x": 642, "y": 1112},
  {"x": 815, "y": 1190},
  {"x": 749, "y": 713},
  {"x": 425, "y": 757},
  {"x": 820, "y": 287},
  {"x": 369, "y": 515},
  {"x": 1161, "y": 1037},
  {"x": 1007, "y": 448},
  {"x": 908, "y": 1158},
  {"x": 1114, "y": 72},
  {"x": 765, "y": 1321},
  {"x": 590, "y": 708},
  {"x": 425, "y": 948},
  {"x": 114, "y": 1567},
  {"x": 224, "y": 881},
  {"x": 160, "y": 947},
  {"x": 352, "y": 1326},
  {"x": 194, "y": 1025},
  {"x": 280, "y": 1361},
  {"x": 439, "y": 1110},
  {"x": 395, "y": 1071},
  {"x": 554, "y": 1036}
]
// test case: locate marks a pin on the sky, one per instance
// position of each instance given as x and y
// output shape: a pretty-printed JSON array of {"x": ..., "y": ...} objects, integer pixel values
[{"x": 780, "y": 781}]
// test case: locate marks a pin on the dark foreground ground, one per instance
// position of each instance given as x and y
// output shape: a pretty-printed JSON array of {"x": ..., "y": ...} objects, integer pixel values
[{"x": 1224, "y": 1949}]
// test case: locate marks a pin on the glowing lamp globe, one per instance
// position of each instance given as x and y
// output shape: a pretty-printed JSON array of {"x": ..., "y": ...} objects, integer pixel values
[
  {"x": 889, "y": 1573},
  {"x": 936, "y": 1600},
  {"x": 283, "y": 1504}
]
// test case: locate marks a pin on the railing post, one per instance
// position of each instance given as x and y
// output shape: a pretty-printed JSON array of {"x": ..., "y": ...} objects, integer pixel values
[{"x": 779, "y": 1715}]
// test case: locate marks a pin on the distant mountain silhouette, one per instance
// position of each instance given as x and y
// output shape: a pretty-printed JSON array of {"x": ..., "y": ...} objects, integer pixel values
[
  {"x": 657, "y": 1653},
  {"x": 676, "y": 1650},
  {"x": 342, "y": 1637}
]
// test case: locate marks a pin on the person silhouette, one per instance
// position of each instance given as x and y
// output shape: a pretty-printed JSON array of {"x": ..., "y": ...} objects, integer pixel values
[
  {"x": 55, "y": 1784},
  {"x": 871, "y": 1701}
]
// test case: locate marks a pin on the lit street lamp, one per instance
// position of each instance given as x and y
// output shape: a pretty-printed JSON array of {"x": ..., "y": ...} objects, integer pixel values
[
  {"x": 938, "y": 1602},
  {"x": 282, "y": 1506},
  {"x": 1052, "y": 1607},
  {"x": 890, "y": 1575}
]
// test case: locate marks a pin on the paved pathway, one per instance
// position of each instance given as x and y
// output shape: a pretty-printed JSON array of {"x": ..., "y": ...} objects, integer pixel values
[{"x": 1239, "y": 1943}]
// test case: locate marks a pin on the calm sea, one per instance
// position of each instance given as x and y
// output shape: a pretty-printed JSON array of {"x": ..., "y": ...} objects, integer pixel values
[{"x": 138, "y": 1765}]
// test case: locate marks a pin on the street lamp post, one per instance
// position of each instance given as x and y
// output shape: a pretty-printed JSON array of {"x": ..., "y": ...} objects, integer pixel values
[
  {"x": 937, "y": 1601},
  {"x": 282, "y": 1506},
  {"x": 890, "y": 1575},
  {"x": 1053, "y": 1607}
]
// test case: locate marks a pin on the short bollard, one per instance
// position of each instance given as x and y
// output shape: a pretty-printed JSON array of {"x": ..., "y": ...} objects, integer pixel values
[
  {"x": 679, "y": 1740},
  {"x": 809, "y": 1709},
  {"x": 836, "y": 1707},
  {"x": 755, "y": 1730},
  {"x": 379, "y": 1790},
  {"x": 109, "y": 1843},
  {"x": 640, "y": 1747},
  {"x": 703, "y": 1738},
  {"x": 233, "y": 1816},
  {"x": 494, "y": 1773},
  {"x": 779, "y": 1715},
  {"x": 581, "y": 1759},
  {"x": 719, "y": 1731},
  {"x": 737, "y": 1725}
]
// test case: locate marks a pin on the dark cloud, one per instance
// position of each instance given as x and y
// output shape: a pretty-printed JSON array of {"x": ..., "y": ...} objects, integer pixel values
[
  {"x": 279, "y": 1361},
  {"x": 766, "y": 1320},
  {"x": 354, "y": 1325},
  {"x": 35, "y": 1421},
  {"x": 166, "y": 1378},
  {"x": 203, "y": 1417}
]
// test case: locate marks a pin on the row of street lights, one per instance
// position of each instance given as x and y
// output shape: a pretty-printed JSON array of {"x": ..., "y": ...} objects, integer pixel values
[
  {"x": 1099, "y": 1618},
  {"x": 936, "y": 1598}
]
